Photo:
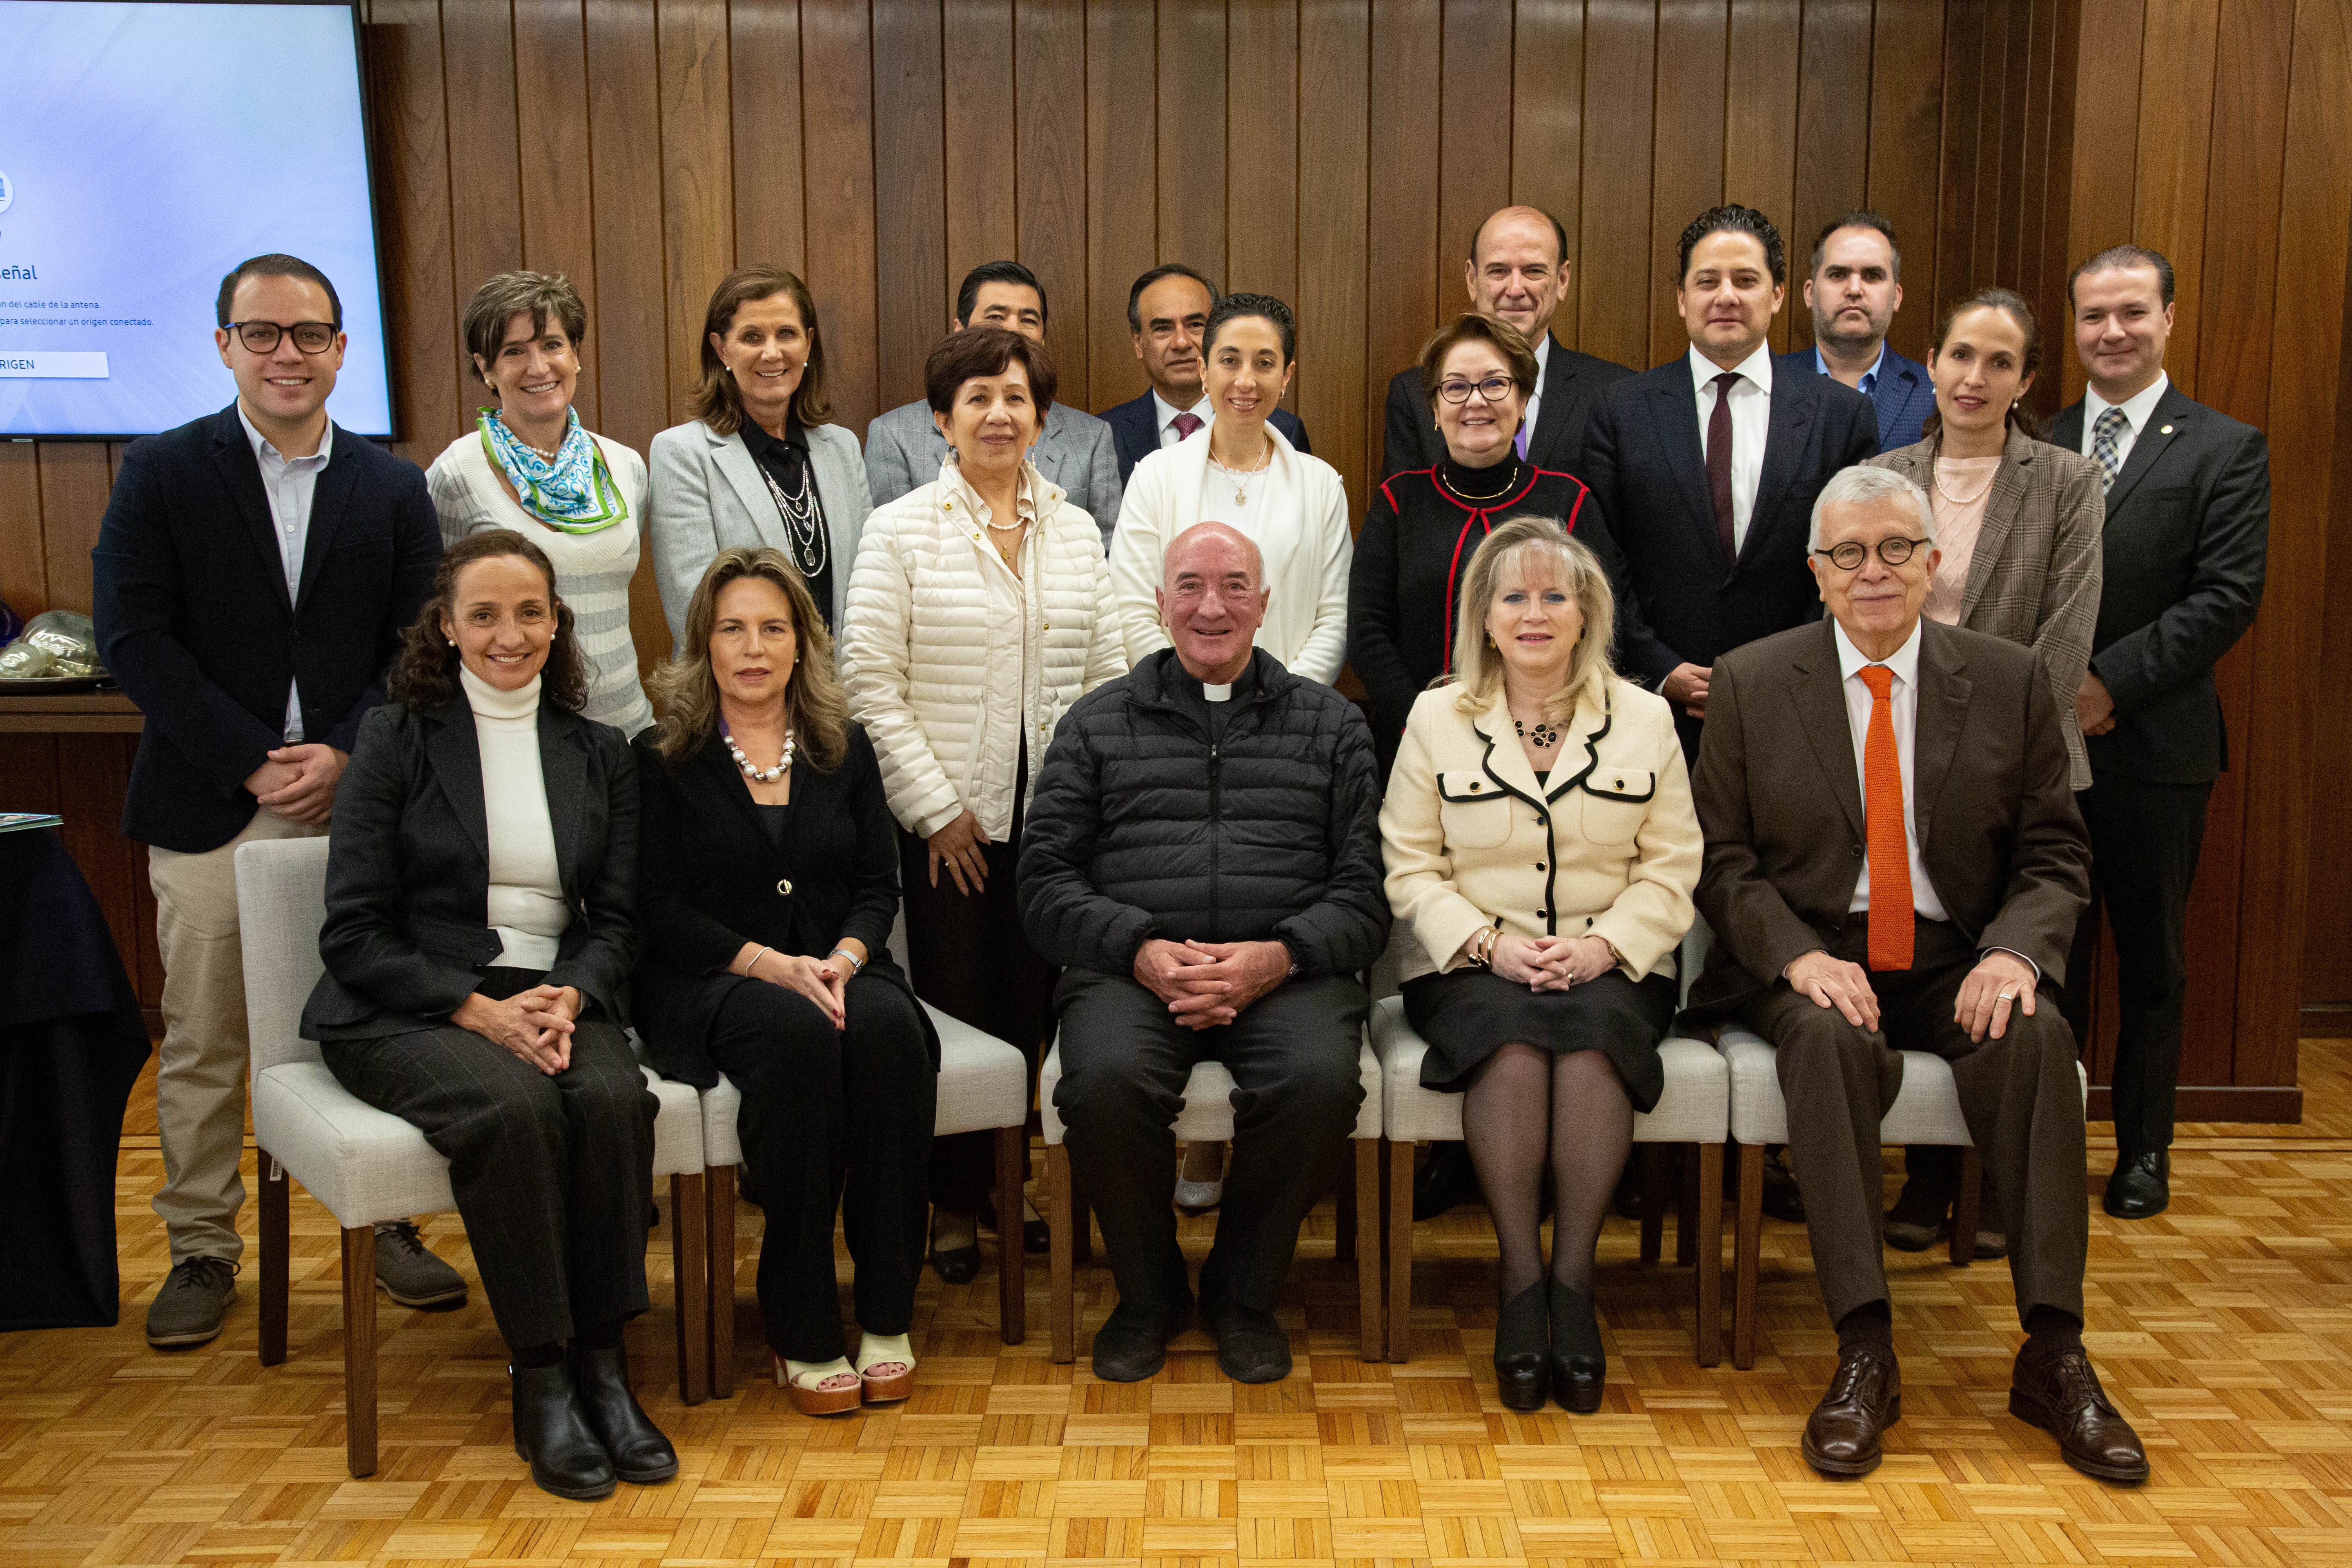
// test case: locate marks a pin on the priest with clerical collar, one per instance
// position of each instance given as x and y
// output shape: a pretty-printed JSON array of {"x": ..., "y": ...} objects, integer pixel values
[{"x": 1203, "y": 854}]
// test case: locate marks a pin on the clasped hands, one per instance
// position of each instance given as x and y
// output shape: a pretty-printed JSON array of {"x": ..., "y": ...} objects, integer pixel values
[
  {"x": 823, "y": 981},
  {"x": 299, "y": 783},
  {"x": 535, "y": 1025},
  {"x": 1550, "y": 963},
  {"x": 2000, "y": 982},
  {"x": 1206, "y": 983}
]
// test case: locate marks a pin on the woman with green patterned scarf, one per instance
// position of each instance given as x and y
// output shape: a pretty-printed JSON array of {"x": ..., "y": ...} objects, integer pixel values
[{"x": 530, "y": 465}]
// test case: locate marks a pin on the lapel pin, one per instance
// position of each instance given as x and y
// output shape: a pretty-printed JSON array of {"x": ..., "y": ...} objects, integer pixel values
[{"x": 2166, "y": 431}]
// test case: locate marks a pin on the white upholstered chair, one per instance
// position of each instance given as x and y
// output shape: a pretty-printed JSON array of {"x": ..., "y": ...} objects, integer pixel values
[
  {"x": 1208, "y": 1116},
  {"x": 367, "y": 1166}
]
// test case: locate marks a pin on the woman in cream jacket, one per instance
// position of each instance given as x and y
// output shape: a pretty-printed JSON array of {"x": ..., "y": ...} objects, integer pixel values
[
  {"x": 1541, "y": 849},
  {"x": 979, "y": 610}
]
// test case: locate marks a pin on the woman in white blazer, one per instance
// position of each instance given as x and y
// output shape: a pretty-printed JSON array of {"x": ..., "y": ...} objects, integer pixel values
[
  {"x": 1240, "y": 470},
  {"x": 1541, "y": 850},
  {"x": 979, "y": 610},
  {"x": 762, "y": 462}
]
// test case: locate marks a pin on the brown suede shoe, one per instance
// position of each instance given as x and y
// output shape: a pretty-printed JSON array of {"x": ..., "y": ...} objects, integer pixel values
[
  {"x": 1864, "y": 1398},
  {"x": 2062, "y": 1396}
]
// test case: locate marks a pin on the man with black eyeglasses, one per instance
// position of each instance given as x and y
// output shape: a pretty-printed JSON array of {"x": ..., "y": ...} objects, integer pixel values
[{"x": 252, "y": 577}]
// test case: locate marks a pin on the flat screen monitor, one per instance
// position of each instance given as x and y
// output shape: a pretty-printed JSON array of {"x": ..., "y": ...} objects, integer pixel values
[{"x": 145, "y": 149}]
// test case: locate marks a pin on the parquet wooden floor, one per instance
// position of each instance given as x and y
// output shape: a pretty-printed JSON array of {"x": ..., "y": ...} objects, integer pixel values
[{"x": 2224, "y": 1329}]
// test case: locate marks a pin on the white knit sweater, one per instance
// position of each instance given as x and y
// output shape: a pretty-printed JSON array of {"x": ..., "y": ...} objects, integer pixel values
[{"x": 525, "y": 903}]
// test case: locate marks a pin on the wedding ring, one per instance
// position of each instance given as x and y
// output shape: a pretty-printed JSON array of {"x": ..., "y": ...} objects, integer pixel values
[{"x": 2008, "y": 996}]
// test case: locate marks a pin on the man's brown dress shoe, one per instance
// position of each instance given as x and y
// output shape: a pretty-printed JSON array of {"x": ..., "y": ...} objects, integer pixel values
[
  {"x": 2062, "y": 1396},
  {"x": 1864, "y": 1398}
]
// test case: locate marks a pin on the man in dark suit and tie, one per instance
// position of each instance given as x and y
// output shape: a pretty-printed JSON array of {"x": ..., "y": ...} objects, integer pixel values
[
  {"x": 1853, "y": 288},
  {"x": 1707, "y": 466},
  {"x": 1167, "y": 313},
  {"x": 1517, "y": 272},
  {"x": 1893, "y": 862},
  {"x": 252, "y": 577},
  {"x": 2186, "y": 532}
]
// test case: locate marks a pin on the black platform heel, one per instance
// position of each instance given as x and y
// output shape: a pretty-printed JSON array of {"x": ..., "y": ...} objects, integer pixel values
[
  {"x": 1520, "y": 1350},
  {"x": 1579, "y": 1366}
]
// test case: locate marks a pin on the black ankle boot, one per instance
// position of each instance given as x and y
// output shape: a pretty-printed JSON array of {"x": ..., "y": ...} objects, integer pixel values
[
  {"x": 639, "y": 1452},
  {"x": 551, "y": 1434},
  {"x": 1520, "y": 1350},
  {"x": 1579, "y": 1367}
]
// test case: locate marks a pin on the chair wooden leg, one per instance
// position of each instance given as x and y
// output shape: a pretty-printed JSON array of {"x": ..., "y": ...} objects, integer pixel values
[
  {"x": 359, "y": 1349},
  {"x": 1343, "y": 1218},
  {"x": 1063, "y": 1222},
  {"x": 1398, "y": 1249},
  {"x": 1708, "y": 1283},
  {"x": 1968, "y": 1208},
  {"x": 1359, "y": 1228},
  {"x": 1747, "y": 1249},
  {"x": 276, "y": 1200},
  {"x": 1012, "y": 1255},
  {"x": 1653, "y": 1157},
  {"x": 719, "y": 1202},
  {"x": 689, "y": 1243},
  {"x": 1082, "y": 1221},
  {"x": 1686, "y": 1248}
]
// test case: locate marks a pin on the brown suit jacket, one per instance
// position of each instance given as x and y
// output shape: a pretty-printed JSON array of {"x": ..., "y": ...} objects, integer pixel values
[
  {"x": 1780, "y": 802},
  {"x": 2034, "y": 577}
]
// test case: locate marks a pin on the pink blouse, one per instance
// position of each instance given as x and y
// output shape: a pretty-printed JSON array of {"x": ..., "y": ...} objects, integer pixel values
[{"x": 1962, "y": 486}]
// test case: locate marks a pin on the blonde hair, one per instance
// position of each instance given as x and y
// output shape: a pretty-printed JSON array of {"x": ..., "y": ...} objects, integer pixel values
[
  {"x": 1515, "y": 545},
  {"x": 687, "y": 693}
]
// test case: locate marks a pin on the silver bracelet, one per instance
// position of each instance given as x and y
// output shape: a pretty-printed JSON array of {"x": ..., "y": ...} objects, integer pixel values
[
  {"x": 751, "y": 970},
  {"x": 856, "y": 964}
]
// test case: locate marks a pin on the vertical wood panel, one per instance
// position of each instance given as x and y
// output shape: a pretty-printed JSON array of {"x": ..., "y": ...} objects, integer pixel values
[
  {"x": 763, "y": 57},
  {"x": 411, "y": 172},
  {"x": 1548, "y": 131},
  {"x": 2175, "y": 146},
  {"x": 1261, "y": 163},
  {"x": 982, "y": 166},
  {"x": 1334, "y": 160},
  {"x": 2105, "y": 145},
  {"x": 551, "y": 130},
  {"x": 1400, "y": 296},
  {"x": 1689, "y": 173},
  {"x": 910, "y": 223},
  {"x": 1907, "y": 117},
  {"x": 2316, "y": 148},
  {"x": 1764, "y": 68},
  {"x": 486, "y": 234},
  {"x": 837, "y": 128},
  {"x": 1833, "y": 135},
  {"x": 24, "y": 571},
  {"x": 1473, "y": 160},
  {"x": 696, "y": 191},
  {"x": 1613, "y": 301},
  {"x": 1050, "y": 183},
  {"x": 74, "y": 482},
  {"x": 1122, "y": 240},
  {"x": 1191, "y": 106}
]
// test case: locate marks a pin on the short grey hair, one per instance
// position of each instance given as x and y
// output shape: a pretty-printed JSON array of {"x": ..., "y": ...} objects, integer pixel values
[{"x": 1865, "y": 483}]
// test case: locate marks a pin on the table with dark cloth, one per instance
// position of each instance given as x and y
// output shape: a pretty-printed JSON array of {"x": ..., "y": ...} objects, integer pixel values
[{"x": 71, "y": 1044}]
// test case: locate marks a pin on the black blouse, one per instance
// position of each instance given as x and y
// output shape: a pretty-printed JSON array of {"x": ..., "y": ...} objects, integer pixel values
[{"x": 787, "y": 463}]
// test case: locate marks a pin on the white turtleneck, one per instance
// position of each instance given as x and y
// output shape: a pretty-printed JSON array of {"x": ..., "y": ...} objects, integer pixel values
[{"x": 526, "y": 904}]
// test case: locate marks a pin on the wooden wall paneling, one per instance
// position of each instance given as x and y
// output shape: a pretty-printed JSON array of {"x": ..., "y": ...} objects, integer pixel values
[
  {"x": 1408, "y": 37},
  {"x": 412, "y": 173},
  {"x": 1763, "y": 68},
  {"x": 2104, "y": 165},
  {"x": 1121, "y": 206},
  {"x": 2328, "y": 911},
  {"x": 1190, "y": 106},
  {"x": 75, "y": 479},
  {"x": 2009, "y": 61},
  {"x": 1049, "y": 203},
  {"x": 1614, "y": 299},
  {"x": 1548, "y": 130},
  {"x": 837, "y": 130},
  {"x": 93, "y": 770},
  {"x": 1957, "y": 186},
  {"x": 1687, "y": 174},
  {"x": 982, "y": 214},
  {"x": 2038, "y": 193},
  {"x": 551, "y": 133},
  {"x": 912, "y": 291},
  {"x": 24, "y": 569},
  {"x": 1833, "y": 135},
  {"x": 2055, "y": 259},
  {"x": 1261, "y": 158},
  {"x": 2175, "y": 145},
  {"x": 486, "y": 237},
  {"x": 697, "y": 212},
  {"x": 28, "y": 774},
  {"x": 1334, "y": 213},
  {"x": 764, "y": 60},
  {"x": 1473, "y": 140},
  {"x": 1907, "y": 118}
]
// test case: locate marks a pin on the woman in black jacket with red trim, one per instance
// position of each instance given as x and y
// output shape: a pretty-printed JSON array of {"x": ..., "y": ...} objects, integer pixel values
[{"x": 1425, "y": 524}]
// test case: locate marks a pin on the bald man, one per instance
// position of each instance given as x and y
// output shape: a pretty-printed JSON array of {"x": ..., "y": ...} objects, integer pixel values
[
  {"x": 1518, "y": 272},
  {"x": 1203, "y": 856}
]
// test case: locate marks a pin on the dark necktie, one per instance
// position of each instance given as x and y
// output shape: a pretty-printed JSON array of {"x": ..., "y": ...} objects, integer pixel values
[
  {"x": 2107, "y": 444},
  {"x": 1718, "y": 464},
  {"x": 1185, "y": 425}
]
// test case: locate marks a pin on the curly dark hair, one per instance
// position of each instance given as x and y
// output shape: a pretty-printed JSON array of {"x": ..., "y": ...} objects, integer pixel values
[
  {"x": 1733, "y": 219},
  {"x": 425, "y": 670}
]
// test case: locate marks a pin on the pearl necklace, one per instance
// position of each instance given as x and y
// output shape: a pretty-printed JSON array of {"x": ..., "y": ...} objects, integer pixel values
[{"x": 758, "y": 775}]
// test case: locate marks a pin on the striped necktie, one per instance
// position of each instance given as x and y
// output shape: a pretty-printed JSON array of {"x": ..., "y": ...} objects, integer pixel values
[{"x": 2104, "y": 452}]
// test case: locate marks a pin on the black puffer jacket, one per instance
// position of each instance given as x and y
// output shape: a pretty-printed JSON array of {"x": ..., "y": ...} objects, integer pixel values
[{"x": 1142, "y": 827}]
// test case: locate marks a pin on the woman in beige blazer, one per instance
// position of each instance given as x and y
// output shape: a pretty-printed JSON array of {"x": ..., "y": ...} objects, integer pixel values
[
  {"x": 1542, "y": 851},
  {"x": 2018, "y": 522}
]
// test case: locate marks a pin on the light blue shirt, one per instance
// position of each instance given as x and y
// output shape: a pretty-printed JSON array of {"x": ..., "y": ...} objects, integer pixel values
[{"x": 1869, "y": 385}]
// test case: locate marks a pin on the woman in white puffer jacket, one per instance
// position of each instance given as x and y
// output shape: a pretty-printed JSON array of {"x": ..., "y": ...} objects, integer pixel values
[{"x": 980, "y": 609}]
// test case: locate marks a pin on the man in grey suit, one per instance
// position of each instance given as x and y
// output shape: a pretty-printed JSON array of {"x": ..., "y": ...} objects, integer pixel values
[{"x": 904, "y": 449}]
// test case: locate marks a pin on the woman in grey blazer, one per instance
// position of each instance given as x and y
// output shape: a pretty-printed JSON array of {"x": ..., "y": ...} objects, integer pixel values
[{"x": 762, "y": 462}]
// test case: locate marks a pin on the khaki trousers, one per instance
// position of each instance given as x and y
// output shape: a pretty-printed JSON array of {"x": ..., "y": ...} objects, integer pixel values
[{"x": 200, "y": 1079}]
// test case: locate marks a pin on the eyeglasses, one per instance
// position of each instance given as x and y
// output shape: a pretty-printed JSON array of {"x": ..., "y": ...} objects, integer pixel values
[
  {"x": 1894, "y": 550},
  {"x": 261, "y": 337},
  {"x": 1494, "y": 389}
]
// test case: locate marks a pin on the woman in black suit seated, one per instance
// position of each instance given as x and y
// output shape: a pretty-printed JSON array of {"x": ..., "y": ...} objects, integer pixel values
[
  {"x": 481, "y": 891},
  {"x": 770, "y": 882}
]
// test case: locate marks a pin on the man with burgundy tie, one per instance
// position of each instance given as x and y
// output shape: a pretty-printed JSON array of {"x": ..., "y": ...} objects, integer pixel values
[
  {"x": 1707, "y": 466},
  {"x": 1167, "y": 317},
  {"x": 1895, "y": 862}
]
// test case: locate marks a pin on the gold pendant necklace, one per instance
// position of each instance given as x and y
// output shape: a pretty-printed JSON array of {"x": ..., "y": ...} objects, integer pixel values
[{"x": 1241, "y": 479}]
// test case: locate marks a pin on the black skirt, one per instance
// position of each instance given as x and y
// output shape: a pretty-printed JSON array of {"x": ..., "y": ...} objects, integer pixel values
[{"x": 1465, "y": 1016}]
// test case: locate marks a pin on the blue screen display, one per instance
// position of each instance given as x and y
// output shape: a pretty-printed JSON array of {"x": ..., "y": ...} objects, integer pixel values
[{"x": 144, "y": 151}]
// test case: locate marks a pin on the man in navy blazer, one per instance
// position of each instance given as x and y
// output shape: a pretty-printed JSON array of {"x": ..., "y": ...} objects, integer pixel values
[
  {"x": 252, "y": 577},
  {"x": 2185, "y": 544},
  {"x": 1167, "y": 313},
  {"x": 1707, "y": 467},
  {"x": 1854, "y": 290}
]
